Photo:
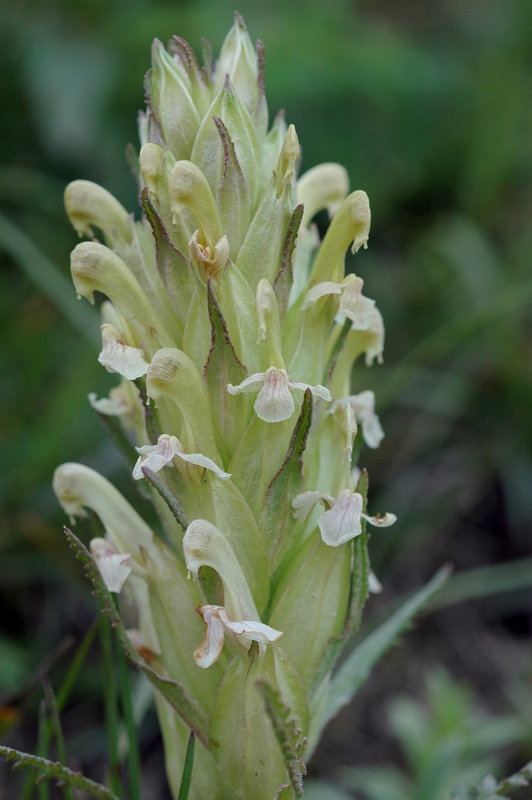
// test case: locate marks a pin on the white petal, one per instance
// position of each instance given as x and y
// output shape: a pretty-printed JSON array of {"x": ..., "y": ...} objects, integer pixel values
[
  {"x": 342, "y": 522},
  {"x": 320, "y": 290},
  {"x": 157, "y": 456},
  {"x": 107, "y": 406},
  {"x": 372, "y": 431},
  {"x": 319, "y": 390},
  {"x": 354, "y": 305},
  {"x": 374, "y": 584},
  {"x": 381, "y": 522},
  {"x": 305, "y": 502},
  {"x": 119, "y": 357},
  {"x": 249, "y": 631},
  {"x": 247, "y": 385},
  {"x": 376, "y": 346},
  {"x": 203, "y": 461},
  {"x": 209, "y": 649},
  {"x": 274, "y": 402},
  {"x": 113, "y": 566}
]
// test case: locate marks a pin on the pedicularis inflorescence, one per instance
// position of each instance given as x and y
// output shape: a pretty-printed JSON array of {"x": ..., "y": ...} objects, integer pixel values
[{"x": 234, "y": 330}]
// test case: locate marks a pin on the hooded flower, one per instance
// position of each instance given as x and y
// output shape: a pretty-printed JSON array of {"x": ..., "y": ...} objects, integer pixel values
[{"x": 342, "y": 519}]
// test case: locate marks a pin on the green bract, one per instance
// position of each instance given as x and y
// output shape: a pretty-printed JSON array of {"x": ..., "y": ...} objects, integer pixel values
[{"x": 234, "y": 331}]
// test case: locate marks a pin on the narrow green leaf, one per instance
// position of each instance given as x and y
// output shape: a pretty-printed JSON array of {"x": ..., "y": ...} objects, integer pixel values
[
  {"x": 63, "y": 695},
  {"x": 510, "y": 576},
  {"x": 42, "y": 745},
  {"x": 57, "y": 728},
  {"x": 49, "y": 280},
  {"x": 174, "y": 268},
  {"x": 285, "y": 277},
  {"x": 288, "y": 735},
  {"x": 223, "y": 367},
  {"x": 133, "y": 757},
  {"x": 52, "y": 770},
  {"x": 178, "y": 697},
  {"x": 187, "y": 768},
  {"x": 353, "y": 673},
  {"x": 110, "y": 701},
  {"x": 277, "y": 513},
  {"x": 233, "y": 195}
]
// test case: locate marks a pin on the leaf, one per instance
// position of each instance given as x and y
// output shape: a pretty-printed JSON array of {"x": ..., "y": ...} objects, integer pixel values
[
  {"x": 285, "y": 277},
  {"x": 233, "y": 194},
  {"x": 358, "y": 593},
  {"x": 353, "y": 673},
  {"x": 489, "y": 789},
  {"x": 175, "y": 693},
  {"x": 174, "y": 268},
  {"x": 187, "y": 768},
  {"x": 276, "y": 517},
  {"x": 52, "y": 770},
  {"x": 288, "y": 735},
  {"x": 56, "y": 726},
  {"x": 223, "y": 367}
]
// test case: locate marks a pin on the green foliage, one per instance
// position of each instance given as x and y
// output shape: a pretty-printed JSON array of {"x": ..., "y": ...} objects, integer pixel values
[{"x": 356, "y": 668}]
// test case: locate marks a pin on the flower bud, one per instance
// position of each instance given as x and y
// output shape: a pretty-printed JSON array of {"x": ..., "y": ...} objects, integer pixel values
[
  {"x": 88, "y": 204},
  {"x": 171, "y": 102}
]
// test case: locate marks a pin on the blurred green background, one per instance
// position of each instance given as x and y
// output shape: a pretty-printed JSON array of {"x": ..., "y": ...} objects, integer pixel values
[{"x": 428, "y": 103}]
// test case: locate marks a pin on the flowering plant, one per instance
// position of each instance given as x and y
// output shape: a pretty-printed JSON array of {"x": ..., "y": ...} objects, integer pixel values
[{"x": 234, "y": 330}]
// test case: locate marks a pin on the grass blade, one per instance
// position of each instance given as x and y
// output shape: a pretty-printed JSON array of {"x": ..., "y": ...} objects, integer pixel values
[
  {"x": 359, "y": 663},
  {"x": 56, "y": 727},
  {"x": 129, "y": 719},
  {"x": 187, "y": 769},
  {"x": 110, "y": 700}
]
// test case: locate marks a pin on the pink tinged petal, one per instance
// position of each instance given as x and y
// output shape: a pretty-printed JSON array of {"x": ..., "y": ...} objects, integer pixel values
[
  {"x": 320, "y": 290},
  {"x": 318, "y": 390},
  {"x": 354, "y": 305},
  {"x": 113, "y": 566},
  {"x": 274, "y": 402},
  {"x": 381, "y": 522},
  {"x": 157, "y": 456},
  {"x": 107, "y": 406},
  {"x": 119, "y": 357},
  {"x": 248, "y": 385},
  {"x": 202, "y": 461},
  {"x": 305, "y": 502},
  {"x": 209, "y": 649},
  {"x": 342, "y": 522},
  {"x": 249, "y": 631}
]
